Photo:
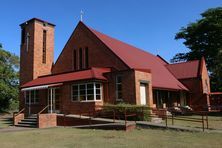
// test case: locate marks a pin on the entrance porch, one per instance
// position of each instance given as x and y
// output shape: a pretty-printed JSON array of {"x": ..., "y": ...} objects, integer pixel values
[
  {"x": 166, "y": 98},
  {"x": 45, "y": 97}
]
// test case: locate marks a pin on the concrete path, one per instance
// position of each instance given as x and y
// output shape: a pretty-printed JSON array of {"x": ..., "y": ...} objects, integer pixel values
[
  {"x": 140, "y": 124},
  {"x": 14, "y": 129},
  {"x": 144, "y": 124}
]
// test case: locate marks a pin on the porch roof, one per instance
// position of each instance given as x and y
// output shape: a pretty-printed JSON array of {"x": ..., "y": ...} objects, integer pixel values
[{"x": 93, "y": 73}]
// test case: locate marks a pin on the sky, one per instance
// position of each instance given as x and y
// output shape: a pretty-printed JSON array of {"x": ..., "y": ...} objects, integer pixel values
[{"x": 147, "y": 24}]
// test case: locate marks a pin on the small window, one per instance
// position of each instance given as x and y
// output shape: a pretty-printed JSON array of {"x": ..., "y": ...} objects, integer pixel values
[
  {"x": 23, "y": 36},
  {"x": 86, "y": 58},
  {"x": 119, "y": 88},
  {"x": 98, "y": 91},
  {"x": 74, "y": 59},
  {"x": 75, "y": 92},
  {"x": 27, "y": 97},
  {"x": 36, "y": 96},
  {"x": 44, "y": 47},
  {"x": 80, "y": 58}
]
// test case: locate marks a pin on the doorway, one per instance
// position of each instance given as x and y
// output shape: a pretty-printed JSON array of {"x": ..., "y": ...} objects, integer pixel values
[
  {"x": 143, "y": 94},
  {"x": 53, "y": 100}
]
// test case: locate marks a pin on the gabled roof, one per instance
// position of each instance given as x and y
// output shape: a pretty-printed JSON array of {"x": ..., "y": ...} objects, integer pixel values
[
  {"x": 36, "y": 19},
  {"x": 136, "y": 58},
  {"x": 185, "y": 70},
  {"x": 93, "y": 73}
]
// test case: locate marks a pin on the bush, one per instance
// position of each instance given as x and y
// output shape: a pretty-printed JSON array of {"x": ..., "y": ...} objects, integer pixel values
[{"x": 142, "y": 112}]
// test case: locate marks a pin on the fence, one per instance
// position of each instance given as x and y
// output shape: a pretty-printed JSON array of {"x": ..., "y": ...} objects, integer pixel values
[{"x": 126, "y": 113}]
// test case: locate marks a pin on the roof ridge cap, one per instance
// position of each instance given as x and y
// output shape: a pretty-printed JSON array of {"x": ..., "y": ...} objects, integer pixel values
[{"x": 183, "y": 62}]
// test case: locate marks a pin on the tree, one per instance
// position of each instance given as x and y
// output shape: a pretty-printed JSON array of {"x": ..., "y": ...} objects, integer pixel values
[
  {"x": 204, "y": 39},
  {"x": 9, "y": 82}
]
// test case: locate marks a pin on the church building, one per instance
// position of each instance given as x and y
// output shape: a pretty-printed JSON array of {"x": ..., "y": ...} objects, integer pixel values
[{"x": 96, "y": 69}]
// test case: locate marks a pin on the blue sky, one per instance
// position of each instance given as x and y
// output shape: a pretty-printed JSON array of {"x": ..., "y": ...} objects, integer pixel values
[{"x": 148, "y": 24}]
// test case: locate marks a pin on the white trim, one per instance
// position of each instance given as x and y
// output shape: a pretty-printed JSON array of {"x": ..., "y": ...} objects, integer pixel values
[
  {"x": 94, "y": 92},
  {"x": 40, "y": 87},
  {"x": 35, "y": 87}
]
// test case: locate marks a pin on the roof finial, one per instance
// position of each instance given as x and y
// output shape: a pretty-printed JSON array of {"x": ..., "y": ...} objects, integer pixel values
[{"x": 81, "y": 15}]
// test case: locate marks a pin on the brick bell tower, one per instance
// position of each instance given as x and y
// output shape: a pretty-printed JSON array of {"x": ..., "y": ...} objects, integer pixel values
[{"x": 37, "y": 49}]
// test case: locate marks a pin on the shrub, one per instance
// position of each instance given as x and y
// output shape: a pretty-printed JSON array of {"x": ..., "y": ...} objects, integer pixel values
[{"x": 142, "y": 112}]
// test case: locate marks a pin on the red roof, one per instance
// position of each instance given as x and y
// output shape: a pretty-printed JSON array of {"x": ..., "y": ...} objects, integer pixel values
[
  {"x": 185, "y": 70},
  {"x": 93, "y": 73},
  {"x": 136, "y": 58}
]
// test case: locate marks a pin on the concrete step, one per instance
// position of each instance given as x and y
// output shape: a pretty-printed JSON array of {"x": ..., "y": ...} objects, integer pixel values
[
  {"x": 32, "y": 117},
  {"x": 156, "y": 120},
  {"x": 26, "y": 125},
  {"x": 28, "y": 122}
]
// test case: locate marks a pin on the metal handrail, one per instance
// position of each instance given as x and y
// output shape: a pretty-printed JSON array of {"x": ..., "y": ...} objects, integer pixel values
[
  {"x": 16, "y": 114},
  {"x": 43, "y": 109}
]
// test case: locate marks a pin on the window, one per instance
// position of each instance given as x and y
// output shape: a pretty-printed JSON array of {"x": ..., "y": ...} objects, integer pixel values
[
  {"x": 98, "y": 91},
  {"x": 87, "y": 92},
  {"x": 74, "y": 59},
  {"x": 80, "y": 58},
  {"x": 119, "y": 88},
  {"x": 86, "y": 57},
  {"x": 44, "y": 47},
  {"x": 23, "y": 36},
  {"x": 32, "y": 96}
]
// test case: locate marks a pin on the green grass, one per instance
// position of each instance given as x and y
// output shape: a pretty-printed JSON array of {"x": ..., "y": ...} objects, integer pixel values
[{"x": 71, "y": 137}]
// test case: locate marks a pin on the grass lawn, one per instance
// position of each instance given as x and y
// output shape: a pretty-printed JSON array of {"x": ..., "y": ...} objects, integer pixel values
[{"x": 71, "y": 137}]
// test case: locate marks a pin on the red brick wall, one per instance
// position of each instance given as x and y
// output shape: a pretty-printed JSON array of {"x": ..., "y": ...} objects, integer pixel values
[
  {"x": 199, "y": 87},
  {"x": 205, "y": 82},
  {"x": 71, "y": 121},
  {"x": 205, "y": 77},
  {"x": 17, "y": 118},
  {"x": 99, "y": 54},
  {"x": 47, "y": 120},
  {"x": 31, "y": 65},
  {"x": 141, "y": 77},
  {"x": 39, "y": 67},
  {"x": 26, "y": 57},
  {"x": 196, "y": 92},
  {"x": 128, "y": 86},
  {"x": 31, "y": 60},
  {"x": 74, "y": 107}
]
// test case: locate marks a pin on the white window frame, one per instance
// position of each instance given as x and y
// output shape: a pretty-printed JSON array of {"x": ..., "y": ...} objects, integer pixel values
[
  {"x": 29, "y": 99},
  {"x": 94, "y": 92},
  {"x": 117, "y": 96}
]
